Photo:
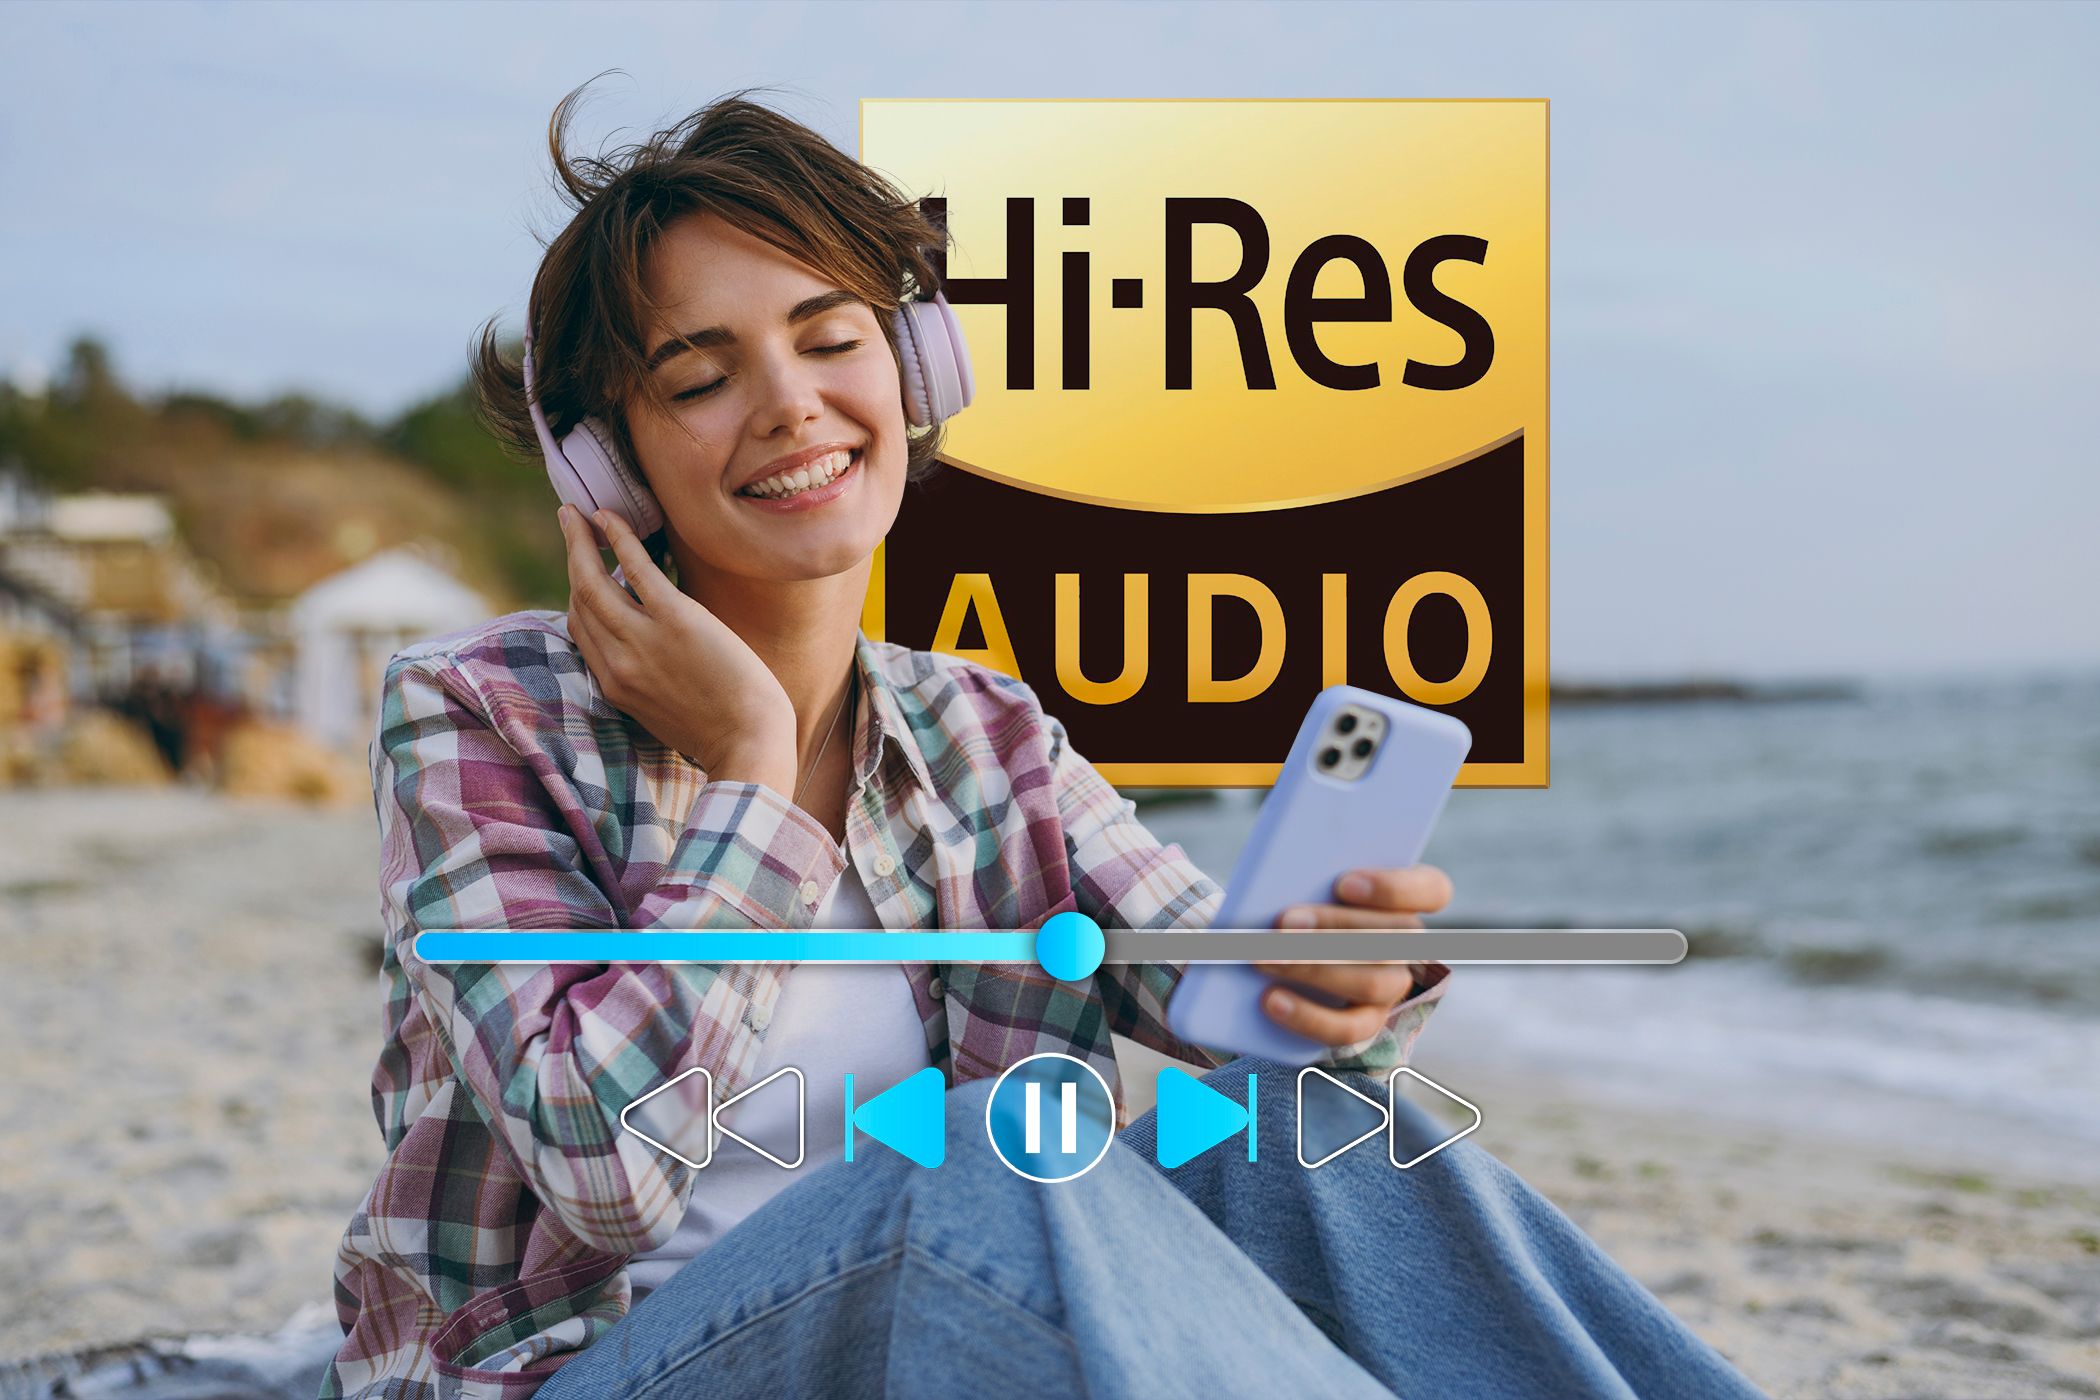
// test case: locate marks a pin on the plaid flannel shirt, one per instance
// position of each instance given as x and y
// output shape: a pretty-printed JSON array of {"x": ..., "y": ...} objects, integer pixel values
[{"x": 510, "y": 794}]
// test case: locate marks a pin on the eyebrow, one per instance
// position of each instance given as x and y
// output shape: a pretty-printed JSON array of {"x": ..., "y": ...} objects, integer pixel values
[{"x": 722, "y": 335}]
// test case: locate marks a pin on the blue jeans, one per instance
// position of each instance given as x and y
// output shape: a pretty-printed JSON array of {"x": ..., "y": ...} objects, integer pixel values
[{"x": 1214, "y": 1279}]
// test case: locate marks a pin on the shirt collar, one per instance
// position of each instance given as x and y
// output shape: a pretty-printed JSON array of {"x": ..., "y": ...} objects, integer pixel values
[{"x": 881, "y": 719}]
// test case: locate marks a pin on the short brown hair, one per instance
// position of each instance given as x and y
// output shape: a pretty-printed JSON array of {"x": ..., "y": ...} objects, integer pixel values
[{"x": 764, "y": 172}]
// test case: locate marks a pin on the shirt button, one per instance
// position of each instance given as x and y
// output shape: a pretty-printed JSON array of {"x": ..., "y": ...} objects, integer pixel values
[
  {"x": 761, "y": 1017},
  {"x": 884, "y": 865},
  {"x": 936, "y": 989},
  {"x": 809, "y": 892}
]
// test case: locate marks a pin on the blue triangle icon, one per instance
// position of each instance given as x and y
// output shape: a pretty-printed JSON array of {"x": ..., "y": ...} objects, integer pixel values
[
  {"x": 1192, "y": 1117},
  {"x": 911, "y": 1117}
]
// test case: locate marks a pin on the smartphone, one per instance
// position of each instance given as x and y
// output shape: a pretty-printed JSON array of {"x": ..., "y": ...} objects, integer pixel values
[{"x": 1364, "y": 783}]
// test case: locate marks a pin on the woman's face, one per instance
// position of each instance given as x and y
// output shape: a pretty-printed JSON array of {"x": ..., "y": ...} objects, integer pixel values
[{"x": 764, "y": 391}]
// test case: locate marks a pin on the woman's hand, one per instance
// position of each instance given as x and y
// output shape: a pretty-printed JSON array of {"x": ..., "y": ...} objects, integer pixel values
[
  {"x": 674, "y": 666},
  {"x": 1368, "y": 991}
]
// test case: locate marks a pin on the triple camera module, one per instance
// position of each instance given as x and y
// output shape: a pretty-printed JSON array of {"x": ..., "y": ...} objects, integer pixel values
[{"x": 1347, "y": 741}]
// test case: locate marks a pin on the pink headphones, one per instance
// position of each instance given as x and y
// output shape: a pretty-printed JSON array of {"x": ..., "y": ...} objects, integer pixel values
[{"x": 589, "y": 473}]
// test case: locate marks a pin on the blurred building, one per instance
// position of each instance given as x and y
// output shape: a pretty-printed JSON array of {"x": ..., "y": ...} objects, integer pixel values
[
  {"x": 145, "y": 605},
  {"x": 343, "y": 629},
  {"x": 39, "y": 631},
  {"x": 102, "y": 603},
  {"x": 23, "y": 508},
  {"x": 39, "y": 635}
]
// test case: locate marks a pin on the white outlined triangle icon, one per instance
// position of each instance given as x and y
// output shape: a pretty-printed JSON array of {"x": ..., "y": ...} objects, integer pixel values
[
  {"x": 692, "y": 1106},
  {"x": 1384, "y": 1115},
  {"x": 705, "y": 1105},
  {"x": 801, "y": 1118},
  {"x": 1392, "y": 1090}
]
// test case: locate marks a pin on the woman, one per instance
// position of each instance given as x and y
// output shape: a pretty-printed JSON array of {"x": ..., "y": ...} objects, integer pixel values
[{"x": 729, "y": 750}]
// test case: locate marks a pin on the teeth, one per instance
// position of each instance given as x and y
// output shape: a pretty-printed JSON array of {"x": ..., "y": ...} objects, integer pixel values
[{"x": 789, "y": 483}]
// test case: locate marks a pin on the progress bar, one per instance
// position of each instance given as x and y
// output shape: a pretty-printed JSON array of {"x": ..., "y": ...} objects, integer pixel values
[{"x": 1445, "y": 945}]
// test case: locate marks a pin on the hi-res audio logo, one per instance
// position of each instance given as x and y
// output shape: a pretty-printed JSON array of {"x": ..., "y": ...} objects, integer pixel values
[{"x": 1262, "y": 403}]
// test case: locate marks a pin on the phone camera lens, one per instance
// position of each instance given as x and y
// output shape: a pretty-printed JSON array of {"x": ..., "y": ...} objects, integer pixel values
[
  {"x": 1361, "y": 748},
  {"x": 1330, "y": 757},
  {"x": 1345, "y": 724}
]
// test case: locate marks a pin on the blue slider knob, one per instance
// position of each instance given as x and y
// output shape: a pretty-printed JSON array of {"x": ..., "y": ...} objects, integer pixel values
[{"x": 1070, "y": 946}]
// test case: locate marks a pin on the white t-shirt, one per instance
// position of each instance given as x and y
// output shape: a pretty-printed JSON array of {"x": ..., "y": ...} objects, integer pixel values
[{"x": 831, "y": 1020}]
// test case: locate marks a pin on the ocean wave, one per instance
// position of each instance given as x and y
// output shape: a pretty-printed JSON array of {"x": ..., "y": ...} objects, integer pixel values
[
  {"x": 1956, "y": 842},
  {"x": 2053, "y": 906},
  {"x": 1826, "y": 963},
  {"x": 1737, "y": 1037},
  {"x": 1842, "y": 953}
]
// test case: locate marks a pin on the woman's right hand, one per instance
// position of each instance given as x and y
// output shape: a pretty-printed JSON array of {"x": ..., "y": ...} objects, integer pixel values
[{"x": 672, "y": 665}]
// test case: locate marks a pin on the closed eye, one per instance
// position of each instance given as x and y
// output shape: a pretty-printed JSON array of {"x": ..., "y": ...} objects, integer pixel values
[{"x": 702, "y": 391}]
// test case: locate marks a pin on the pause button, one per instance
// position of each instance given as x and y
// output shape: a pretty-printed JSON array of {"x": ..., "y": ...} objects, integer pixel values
[{"x": 1050, "y": 1117}]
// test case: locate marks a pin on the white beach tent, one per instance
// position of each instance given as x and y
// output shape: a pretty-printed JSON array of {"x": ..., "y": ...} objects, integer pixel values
[{"x": 346, "y": 626}]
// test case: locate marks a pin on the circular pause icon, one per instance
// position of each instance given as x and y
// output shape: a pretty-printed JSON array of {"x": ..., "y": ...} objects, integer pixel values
[{"x": 1050, "y": 1117}]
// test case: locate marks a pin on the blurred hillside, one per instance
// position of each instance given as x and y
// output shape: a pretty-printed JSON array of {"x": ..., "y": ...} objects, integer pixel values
[{"x": 273, "y": 497}]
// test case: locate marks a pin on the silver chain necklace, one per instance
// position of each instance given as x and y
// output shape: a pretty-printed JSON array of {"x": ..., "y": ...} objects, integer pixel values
[{"x": 852, "y": 686}]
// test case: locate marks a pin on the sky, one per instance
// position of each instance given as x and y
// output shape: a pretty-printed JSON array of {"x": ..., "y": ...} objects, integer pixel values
[{"x": 1823, "y": 277}]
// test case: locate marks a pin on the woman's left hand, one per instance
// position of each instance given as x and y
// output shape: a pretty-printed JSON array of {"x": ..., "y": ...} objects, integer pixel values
[{"x": 1368, "y": 991}]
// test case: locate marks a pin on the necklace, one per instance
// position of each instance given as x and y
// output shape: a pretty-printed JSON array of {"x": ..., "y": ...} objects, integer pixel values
[{"x": 852, "y": 686}]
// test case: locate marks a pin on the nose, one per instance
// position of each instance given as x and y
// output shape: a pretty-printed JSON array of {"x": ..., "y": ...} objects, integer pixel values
[{"x": 790, "y": 395}]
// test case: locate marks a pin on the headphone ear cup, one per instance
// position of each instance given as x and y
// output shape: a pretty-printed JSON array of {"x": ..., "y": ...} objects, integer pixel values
[
  {"x": 935, "y": 361},
  {"x": 605, "y": 475},
  {"x": 917, "y": 410},
  {"x": 568, "y": 487},
  {"x": 586, "y": 468}
]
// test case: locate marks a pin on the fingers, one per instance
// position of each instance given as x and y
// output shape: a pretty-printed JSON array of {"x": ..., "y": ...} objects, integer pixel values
[
  {"x": 591, "y": 588},
  {"x": 586, "y": 643},
  {"x": 1302, "y": 916},
  {"x": 649, "y": 584},
  {"x": 1330, "y": 1025},
  {"x": 582, "y": 550},
  {"x": 598, "y": 631},
  {"x": 1418, "y": 889},
  {"x": 1372, "y": 899},
  {"x": 1366, "y": 984}
]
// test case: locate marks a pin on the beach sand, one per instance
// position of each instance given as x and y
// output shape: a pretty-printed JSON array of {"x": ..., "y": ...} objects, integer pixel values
[
  {"x": 191, "y": 1015},
  {"x": 189, "y": 1021},
  {"x": 1822, "y": 1268}
]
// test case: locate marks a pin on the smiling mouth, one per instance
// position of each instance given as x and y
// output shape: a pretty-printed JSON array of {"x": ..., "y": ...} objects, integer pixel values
[{"x": 788, "y": 485}]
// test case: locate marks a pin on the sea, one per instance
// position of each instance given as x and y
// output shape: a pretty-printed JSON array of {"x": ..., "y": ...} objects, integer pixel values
[{"x": 1891, "y": 897}]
